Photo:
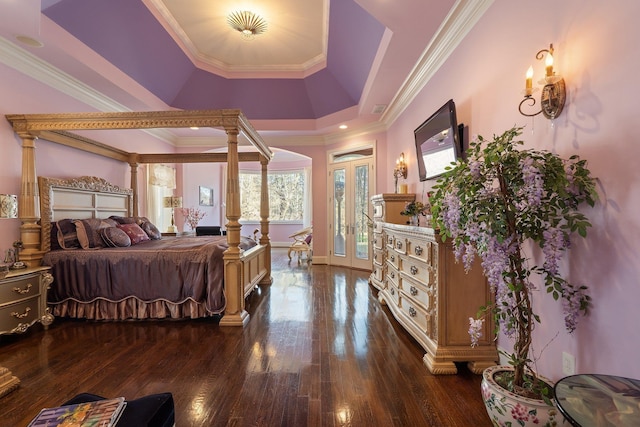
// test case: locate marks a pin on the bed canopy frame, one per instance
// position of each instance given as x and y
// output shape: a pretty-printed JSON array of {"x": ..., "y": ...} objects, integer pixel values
[{"x": 56, "y": 127}]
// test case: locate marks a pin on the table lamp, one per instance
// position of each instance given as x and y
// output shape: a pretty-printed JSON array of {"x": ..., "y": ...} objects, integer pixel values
[
  {"x": 172, "y": 203},
  {"x": 8, "y": 206}
]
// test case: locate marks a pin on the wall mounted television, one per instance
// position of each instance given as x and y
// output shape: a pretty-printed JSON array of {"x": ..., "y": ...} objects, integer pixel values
[{"x": 438, "y": 142}]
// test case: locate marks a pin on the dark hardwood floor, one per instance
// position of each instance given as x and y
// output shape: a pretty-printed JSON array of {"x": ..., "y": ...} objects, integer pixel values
[{"x": 319, "y": 350}]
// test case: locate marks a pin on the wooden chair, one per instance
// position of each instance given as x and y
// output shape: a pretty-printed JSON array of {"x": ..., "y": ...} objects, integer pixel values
[{"x": 301, "y": 244}]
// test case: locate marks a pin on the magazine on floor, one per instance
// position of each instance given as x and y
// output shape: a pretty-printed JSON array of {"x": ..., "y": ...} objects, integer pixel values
[{"x": 103, "y": 413}]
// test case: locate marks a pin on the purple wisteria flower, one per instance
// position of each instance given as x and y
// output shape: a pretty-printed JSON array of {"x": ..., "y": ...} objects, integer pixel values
[
  {"x": 494, "y": 204},
  {"x": 475, "y": 330}
]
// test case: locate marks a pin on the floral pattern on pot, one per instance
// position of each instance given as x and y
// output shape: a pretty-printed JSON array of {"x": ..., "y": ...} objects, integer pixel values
[{"x": 506, "y": 409}]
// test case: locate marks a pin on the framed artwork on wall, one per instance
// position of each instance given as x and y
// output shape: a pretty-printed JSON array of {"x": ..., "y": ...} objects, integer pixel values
[{"x": 206, "y": 196}]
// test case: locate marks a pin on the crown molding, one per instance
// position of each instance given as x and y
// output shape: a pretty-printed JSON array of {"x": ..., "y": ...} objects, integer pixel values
[
  {"x": 28, "y": 64},
  {"x": 461, "y": 19}
]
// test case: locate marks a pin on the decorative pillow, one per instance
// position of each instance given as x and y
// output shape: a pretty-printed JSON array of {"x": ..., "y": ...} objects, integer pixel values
[
  {"x": 115, "y": 237},
  {"x": 123, "y": 219},
  {"x": 88, "y": 231},
  {"x": 151, "y": 230},
  {"x": 67, "y": 235},
  {"x": 135, "y": 233},
  {"x": 144, "y": 223}
]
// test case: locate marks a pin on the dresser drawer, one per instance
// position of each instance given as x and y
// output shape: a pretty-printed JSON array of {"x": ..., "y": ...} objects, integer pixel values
[
  {"x": 23, "y": 313},
  {"x": 392, "y": 276},
  {"x": 378, "y": 257},
  {"x": 377, "y": 272},
  {"x": 378, "y": 240},
  {"x": 378, "y": 210},
  {"x": 394, "y": 259},
  {"x": 377, "y": 227},
  {"x": 18, "y": 288},
  {"x": 417, "y": 314},
  {"x": 419, "y": 293},
  {"x": 394, "y": 293},
  {"x": 422, "y": 250},
  {"x": 400, "y": 244},
  {"x": 417, "y": 270}
]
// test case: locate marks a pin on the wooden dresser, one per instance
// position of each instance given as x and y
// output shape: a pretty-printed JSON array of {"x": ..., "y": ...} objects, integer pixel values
[
  {"x": 386, "y": 208},
  {"x": 23, "y": 299},
  {"x": 432, "y": 296}
]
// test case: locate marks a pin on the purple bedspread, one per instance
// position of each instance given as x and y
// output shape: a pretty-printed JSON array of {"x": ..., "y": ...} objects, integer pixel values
[{"x": 173, "y": 270}]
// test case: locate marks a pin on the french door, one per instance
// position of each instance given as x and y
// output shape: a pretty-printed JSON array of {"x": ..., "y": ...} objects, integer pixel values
[{"x": 350, "y": 186}]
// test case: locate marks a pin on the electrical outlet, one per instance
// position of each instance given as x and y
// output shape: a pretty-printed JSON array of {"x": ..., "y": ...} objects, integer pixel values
[{"x": 568, "y": 363}]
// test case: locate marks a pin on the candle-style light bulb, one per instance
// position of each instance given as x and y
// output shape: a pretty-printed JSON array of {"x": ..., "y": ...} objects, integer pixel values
[
  {"x": 529, "y": 84},
  {"x": 549, "y": 64}
]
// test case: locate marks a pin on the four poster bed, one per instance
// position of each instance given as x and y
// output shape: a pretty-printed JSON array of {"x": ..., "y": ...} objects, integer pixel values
[{"x": 153, "y": 278}]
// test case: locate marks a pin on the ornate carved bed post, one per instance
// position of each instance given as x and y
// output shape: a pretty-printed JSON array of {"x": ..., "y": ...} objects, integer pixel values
[
  {"x": 264, "y": 220},
  {"x": 29, "y": 204},
  {"x": 133, "y": 163},
  {"x": 234, "y": 314}
]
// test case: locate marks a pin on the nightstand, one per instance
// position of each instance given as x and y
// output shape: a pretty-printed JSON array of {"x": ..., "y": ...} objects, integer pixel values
[
  {"x": 168, "y": 234},
  {"x": 23, "y": 299}
]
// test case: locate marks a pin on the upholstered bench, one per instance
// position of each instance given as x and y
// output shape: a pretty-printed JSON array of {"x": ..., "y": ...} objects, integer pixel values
[{"x": 155, "y": 410}]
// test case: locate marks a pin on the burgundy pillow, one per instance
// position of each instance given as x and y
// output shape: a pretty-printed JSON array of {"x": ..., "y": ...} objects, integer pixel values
[
  {"x": 115, "y": 237},
  {"x": 135, "y": 233}
]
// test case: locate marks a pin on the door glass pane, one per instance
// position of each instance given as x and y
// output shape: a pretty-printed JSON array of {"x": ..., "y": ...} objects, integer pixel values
[
  {"x": 361, "y": 208},
  {"x": 339, "y": 213}
]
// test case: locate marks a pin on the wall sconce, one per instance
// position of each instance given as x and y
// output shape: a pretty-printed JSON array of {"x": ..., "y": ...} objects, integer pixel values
[
  {"x": 553, "y": 91},
  {"x": 400, "y": 170},
  {"x": 172, "y": 203}
]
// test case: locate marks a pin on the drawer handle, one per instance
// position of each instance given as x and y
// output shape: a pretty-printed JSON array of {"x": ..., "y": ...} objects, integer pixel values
[
  {"x": 413, "y": 291},
  {"x": 414, "y": 270},
  {"x": 392, "y": 258},
  {"x": 393, "y": 291},
  {"x": 393, "y": 275},
  {"x": 23, "y": 315},
  {"x": 390, "y": 240},
  {"x": 412, "y": 312},
  {"x": 418, "y": 250},
  {"x": 23, "y": 291},
  {"x": 399, "y": 244}
]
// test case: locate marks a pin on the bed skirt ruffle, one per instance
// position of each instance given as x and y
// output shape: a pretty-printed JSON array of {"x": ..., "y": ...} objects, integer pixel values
[{"x": 130, "y": 309}]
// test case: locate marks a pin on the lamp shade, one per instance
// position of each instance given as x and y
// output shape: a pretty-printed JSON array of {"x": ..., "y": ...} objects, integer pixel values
[
  {"x": 8, "y": 206},
  {"x": 172, "y": 202}
]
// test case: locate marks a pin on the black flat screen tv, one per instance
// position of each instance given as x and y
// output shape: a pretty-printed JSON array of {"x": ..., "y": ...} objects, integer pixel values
[{"x": 438, "y": 142}]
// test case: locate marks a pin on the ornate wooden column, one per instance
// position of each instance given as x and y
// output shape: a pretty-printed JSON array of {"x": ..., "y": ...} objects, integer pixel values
[
  {"x": 133, "y": 163},
  {"x": 264, "y": 220},
  {"x": 234, "y": 313},
  {"x": 29, "y": 204}
]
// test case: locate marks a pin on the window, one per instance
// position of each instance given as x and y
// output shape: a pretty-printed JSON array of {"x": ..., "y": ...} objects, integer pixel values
[{"x": 287, "y": 194}]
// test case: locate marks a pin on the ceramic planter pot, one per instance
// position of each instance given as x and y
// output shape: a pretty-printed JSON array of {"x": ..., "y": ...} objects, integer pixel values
[{"x": 507, "y": 409}]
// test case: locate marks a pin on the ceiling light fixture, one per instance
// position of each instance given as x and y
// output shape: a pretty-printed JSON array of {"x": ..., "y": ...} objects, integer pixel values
[{"x": 247, "y": 23}]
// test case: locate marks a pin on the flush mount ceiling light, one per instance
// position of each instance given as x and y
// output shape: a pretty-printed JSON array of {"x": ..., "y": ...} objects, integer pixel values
[{"x": 248, "y": 24}]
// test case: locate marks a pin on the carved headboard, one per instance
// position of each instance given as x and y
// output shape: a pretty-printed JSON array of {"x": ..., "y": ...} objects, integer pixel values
[{"x": 79, "y": 198}]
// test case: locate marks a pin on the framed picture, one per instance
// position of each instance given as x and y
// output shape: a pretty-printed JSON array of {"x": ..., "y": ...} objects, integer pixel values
[{"x": 206, "y": 196}]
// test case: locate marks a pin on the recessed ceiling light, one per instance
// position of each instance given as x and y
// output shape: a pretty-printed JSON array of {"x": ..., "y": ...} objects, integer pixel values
[
  {"x": 194, "y": 128},
  {"x": 343, "y": 126}
]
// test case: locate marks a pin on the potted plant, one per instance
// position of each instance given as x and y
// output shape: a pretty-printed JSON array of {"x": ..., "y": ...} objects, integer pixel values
[
  {"x": 413, "y": 210},
  {"x": 497, "y": 204}
]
